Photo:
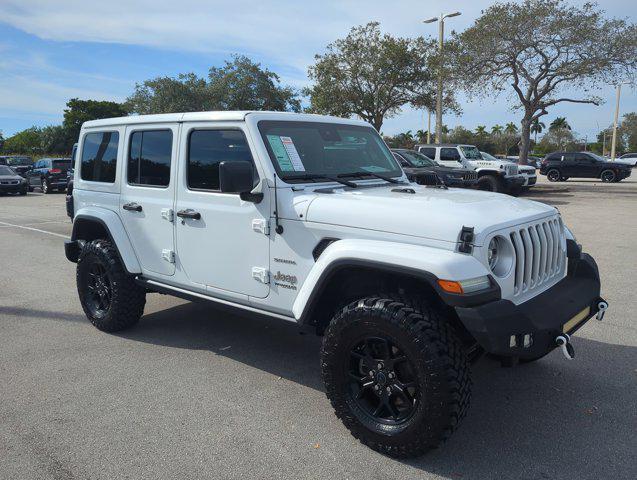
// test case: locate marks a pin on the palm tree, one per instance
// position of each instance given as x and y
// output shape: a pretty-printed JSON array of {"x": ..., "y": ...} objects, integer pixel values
[
  {"x": 481, "y": 131},
  {"x": 559, "y": 123},
  {"x": 537, "y": 127},
  {"x": 496, "y": 130},
  {"x": 511, "y": 128}
]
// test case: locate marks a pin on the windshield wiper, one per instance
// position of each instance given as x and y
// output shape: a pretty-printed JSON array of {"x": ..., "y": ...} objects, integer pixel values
[
  {"x": 370, "y": 174},
  {"x": 317, "y": 176}
]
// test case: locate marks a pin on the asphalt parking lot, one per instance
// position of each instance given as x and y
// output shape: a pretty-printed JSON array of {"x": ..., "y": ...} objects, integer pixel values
[{"x": 197, "y": 392}]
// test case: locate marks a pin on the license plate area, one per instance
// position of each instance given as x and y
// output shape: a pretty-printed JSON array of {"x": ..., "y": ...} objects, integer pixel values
[{"x": 573, "y": 322}]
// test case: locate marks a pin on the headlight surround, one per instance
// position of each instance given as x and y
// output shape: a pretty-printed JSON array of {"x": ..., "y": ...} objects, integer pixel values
[
  {"x": 569, "y": 234},
  {"x": 500, "y": 256}
]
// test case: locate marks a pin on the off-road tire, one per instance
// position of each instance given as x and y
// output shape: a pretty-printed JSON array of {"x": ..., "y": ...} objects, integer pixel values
[
  {"x": 608, "y": 176},
  {"x": 489, "y": 183},
  {"x": 439, "y": 360},
  {"x": 554, "y": 175},
  {"x": 127, "y": 299}
]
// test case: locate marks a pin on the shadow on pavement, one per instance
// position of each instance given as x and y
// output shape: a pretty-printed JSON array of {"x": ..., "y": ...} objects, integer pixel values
[
  {"x": 44, "y": 314},
  {"x": 533, "y": 421}
]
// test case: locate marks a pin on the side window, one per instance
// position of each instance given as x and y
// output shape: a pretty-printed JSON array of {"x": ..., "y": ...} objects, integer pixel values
[
  {"x": 570, "y": 158},
  {"x": 207, "y": 149},
  {"x": 430, "y": 152},
  {"x": 449, "y": 154},
  {"x": 99, "y": 156},
  {"x": 149, "y": 157}
]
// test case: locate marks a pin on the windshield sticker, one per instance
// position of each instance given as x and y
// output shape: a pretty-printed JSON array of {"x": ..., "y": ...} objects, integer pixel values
[
  {"x": 280, "y": 153},
  {"x": 293, "y": 154},
  {"x": 286, "y": 154}
]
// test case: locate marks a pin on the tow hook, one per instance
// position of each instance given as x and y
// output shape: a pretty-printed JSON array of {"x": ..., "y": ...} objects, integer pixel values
[
  {"x": 564, "y": 341},
  {"x": 602, "y": 306}
]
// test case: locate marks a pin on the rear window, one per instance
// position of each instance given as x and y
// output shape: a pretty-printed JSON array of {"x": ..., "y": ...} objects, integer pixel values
[
  {"x": 449, "y": 154},
  {"x": 149, "y": 158},
  {"x": 99, "y": 157},
  {"x": 430, "y": 152},
  {"x": 62, "y": 163}
]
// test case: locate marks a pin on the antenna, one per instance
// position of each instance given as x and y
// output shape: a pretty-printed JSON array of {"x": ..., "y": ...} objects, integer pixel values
[{"x": 279, "y": 228}]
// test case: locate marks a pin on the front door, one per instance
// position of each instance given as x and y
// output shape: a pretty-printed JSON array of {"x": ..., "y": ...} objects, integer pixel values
[
  {"x": 217, "y": 245},
  {"x": 148, "y": 194}
]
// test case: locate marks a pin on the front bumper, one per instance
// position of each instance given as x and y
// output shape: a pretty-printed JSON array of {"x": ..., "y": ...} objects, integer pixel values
[
  {"x": 13, "y": 188},
  {"x": 529, "y": 330},
  {"x": 514, "y": 181}
]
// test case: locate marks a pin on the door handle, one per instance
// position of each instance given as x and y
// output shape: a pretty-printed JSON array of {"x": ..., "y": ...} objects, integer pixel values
[
  {"x": 133, "y": 207},
  {"x": 189, "y": 213}
]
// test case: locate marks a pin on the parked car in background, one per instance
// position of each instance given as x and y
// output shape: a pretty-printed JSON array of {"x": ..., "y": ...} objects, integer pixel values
[
  {"x": 21, "y": 164},
  {"x": 493, "y": 176},
  {"x": 560, "y": 166},
  {"x": 49, "y": 174},
  {"x": 628, "y": 159},
  {"x": 531, "y": 160},
  {"x": 527, "y": 171},
  {"x": 420, "y": 168},
  {"x": 11, "y": 182}
]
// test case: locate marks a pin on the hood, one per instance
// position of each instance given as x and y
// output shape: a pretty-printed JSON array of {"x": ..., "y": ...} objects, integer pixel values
[
  {"x": 10, "y": 177},
  {"x": 438, "y": 169},
  {"x": 433, "y": 213}
]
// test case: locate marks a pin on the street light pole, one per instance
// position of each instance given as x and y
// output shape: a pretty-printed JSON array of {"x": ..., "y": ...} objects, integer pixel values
[
  {"x": 441, "y": 34},
  {"x": 614, "y": 141},
  {"x": 428, "y": 126}
]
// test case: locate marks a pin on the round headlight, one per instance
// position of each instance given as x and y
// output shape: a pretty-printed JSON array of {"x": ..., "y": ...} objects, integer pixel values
[{"x": 500, "y": 256}]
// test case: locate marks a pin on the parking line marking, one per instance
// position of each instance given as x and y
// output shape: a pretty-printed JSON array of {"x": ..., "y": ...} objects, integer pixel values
[{"x": 34, "y": 229}]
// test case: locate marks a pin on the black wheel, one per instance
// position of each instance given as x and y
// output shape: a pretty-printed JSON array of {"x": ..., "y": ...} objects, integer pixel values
[
  {"x": 608, "y": 176},
  {"x": 110, "y": 297},
  {"x": 45, "y": 186},
  {"x": 30, "y": 188},
  {"x": 396, "y": 374},
  {"x": 23, "y": 192},
  {"x": 554, "y": 175},
  {"x": 489, "y": 183}
]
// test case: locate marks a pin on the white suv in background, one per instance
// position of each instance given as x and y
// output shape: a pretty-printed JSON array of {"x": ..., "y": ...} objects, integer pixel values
[
  {"x": 493, "y": 176},
  {"x": 527, "y": 171}
]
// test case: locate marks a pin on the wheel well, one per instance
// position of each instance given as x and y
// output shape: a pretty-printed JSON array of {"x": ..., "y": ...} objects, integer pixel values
[
  {"x": 350, "y": 283},
  {"x": 89, "y": 229}
]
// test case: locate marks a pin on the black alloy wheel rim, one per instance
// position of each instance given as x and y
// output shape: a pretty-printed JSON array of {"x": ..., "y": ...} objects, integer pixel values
[
  {"x": 382, "y": 381},
  {"x": 99, "y": 290},
  {"x": 608, "y": 176},
  {"x": 554, "y": 175}
]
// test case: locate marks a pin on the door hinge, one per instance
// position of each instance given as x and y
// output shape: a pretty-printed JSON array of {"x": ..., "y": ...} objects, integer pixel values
[
  {"x": 261, "y": 274},
  {"x": 168, "y": 255},
  {"x": 261, "y": 225},
  {"x": 167, "y": 214}
]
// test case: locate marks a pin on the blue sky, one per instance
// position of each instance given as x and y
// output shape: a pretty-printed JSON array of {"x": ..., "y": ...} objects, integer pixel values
[{"x": 53, "y": 51}]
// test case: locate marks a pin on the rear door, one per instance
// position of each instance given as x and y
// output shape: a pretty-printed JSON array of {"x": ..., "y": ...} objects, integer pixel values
[
  {"x": 148, "y": 194},
  {"x": 450, "y": 157}
]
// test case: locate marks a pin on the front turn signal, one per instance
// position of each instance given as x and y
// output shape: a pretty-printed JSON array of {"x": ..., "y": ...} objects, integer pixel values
[{"x": 450, "y": 286}]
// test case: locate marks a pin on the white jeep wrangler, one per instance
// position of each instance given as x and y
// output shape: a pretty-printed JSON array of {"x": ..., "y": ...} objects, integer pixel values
[
  {"x": 493, "y": 176},
  {"x": 310, "y": 219}
]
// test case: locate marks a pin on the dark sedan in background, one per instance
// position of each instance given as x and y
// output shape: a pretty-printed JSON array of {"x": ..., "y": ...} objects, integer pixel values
[
  {"x": 11, "y": 182},
  {"x": 420, "y": 168}
]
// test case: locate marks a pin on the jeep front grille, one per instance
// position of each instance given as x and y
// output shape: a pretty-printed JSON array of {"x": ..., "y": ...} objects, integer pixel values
[
  {"x": 470, "y": 175},
  {"x": 539, "y": 254}
]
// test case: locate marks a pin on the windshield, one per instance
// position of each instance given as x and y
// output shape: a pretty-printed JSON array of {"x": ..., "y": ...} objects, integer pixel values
[
  {"x": 6, "y": 171},
  {"x": 470, "y": 152},
  {"x": 299, "y": 150},
  {"x": 488, "y": 156},
  {"x": 19, "y": 161},
  {"x": 418, "y": 159}
]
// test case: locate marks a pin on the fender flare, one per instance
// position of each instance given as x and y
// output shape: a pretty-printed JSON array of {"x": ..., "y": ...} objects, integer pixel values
[
  {"x": 422, "y": 262},
  {"x": 113, "y": 225}
]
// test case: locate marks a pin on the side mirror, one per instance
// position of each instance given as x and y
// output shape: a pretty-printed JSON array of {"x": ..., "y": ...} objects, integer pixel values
[{"x": 236, "y": 177}]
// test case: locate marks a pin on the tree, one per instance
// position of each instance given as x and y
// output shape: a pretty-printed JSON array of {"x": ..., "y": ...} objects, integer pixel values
[
  {"x": 54, "y": 140},
  {"x": 26, "y": 142},
  {"x": 629, "y": 131},
  {"x": 186, "y": 93},
  {"x": 240, "y": 84},
  {"x": 371, "y": 75},
  {"x": 481, "y": 131},
  {"x": 558, "y": 124},
  {"x": 537, "y": 127},
  {"x": 497, "y": 129},
  {"x": 511, "y": 128},
  {"x": 544, "y": 50},
  {"x": 243, "y": 85},
  {"x": 79, "y": 111}
]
